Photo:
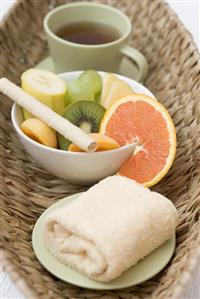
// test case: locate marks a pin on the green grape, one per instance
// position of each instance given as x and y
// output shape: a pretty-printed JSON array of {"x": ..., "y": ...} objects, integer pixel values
[
  {"x": 77, "y": 90},
  {"x": 67, "y": 100},
  {"x": 98, "y": 98},
  {"x": 62, "y": 142},
  {"x": 93, "y": 80}
]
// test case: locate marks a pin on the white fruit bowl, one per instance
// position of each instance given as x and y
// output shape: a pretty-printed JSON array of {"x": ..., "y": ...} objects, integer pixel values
[{"x": 80, "y": 168}]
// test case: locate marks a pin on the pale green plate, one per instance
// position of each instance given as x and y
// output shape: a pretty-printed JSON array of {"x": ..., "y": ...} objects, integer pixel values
[
  {"x": 142, "y": 271},
  {"x": 127, "y": 68}
]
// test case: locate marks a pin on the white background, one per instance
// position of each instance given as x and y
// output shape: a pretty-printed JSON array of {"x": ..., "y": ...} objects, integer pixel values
[{"x": 189, "y": 13}]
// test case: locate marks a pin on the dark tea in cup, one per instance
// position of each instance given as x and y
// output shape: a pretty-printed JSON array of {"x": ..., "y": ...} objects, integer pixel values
[{"x": 88, "y": 33}]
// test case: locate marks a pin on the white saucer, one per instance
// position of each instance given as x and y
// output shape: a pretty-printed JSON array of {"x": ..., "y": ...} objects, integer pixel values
[{"x": 127, "y": 69}]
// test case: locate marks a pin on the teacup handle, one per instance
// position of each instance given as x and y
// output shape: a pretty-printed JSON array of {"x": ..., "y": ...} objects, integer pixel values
[{"x": 138, "y": 59}]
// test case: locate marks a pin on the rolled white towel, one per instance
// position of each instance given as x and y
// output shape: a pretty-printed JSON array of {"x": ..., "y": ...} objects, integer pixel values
[{"x": 110, "y": 227}]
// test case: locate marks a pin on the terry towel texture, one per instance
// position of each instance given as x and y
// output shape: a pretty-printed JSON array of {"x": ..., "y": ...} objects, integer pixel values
[{"x": 110, "y": 227}]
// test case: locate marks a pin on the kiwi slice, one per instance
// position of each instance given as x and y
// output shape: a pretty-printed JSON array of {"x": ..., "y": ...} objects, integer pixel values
[{"x": 86, "y": 115}]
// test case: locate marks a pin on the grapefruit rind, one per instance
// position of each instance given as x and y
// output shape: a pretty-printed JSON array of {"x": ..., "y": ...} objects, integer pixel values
[{"x": 170, "y": 125}]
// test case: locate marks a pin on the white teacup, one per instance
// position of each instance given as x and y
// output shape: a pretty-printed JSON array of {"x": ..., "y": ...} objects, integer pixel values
[{"x": 71, "y": 56}]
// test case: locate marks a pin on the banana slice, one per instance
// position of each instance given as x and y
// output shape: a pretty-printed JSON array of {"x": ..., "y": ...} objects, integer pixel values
[{"x": 45, "y": 86}]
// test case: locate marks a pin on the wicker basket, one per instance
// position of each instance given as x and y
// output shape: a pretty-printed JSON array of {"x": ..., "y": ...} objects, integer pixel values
[{"x": 174, "y": 77}]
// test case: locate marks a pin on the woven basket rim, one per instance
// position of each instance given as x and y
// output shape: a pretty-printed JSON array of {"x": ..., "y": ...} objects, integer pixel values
[
  {"x": 192, "y": 264},
  {"x": 194, "y": 260}
]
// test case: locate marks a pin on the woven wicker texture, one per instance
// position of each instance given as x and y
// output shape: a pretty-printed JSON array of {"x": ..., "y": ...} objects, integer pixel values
[{"x": 174, "y": 77}]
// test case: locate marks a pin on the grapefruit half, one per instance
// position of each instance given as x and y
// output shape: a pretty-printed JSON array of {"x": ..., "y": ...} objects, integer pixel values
[{"x": 142, "y": 118}]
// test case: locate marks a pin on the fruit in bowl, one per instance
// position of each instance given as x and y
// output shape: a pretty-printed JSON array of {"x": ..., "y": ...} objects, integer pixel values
[
  {"x": 86, "y": 115},
  {"x": 126, "y": 112},
  {"x": 104, "y": 143},
  {"x": 47, "y": 87}
]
